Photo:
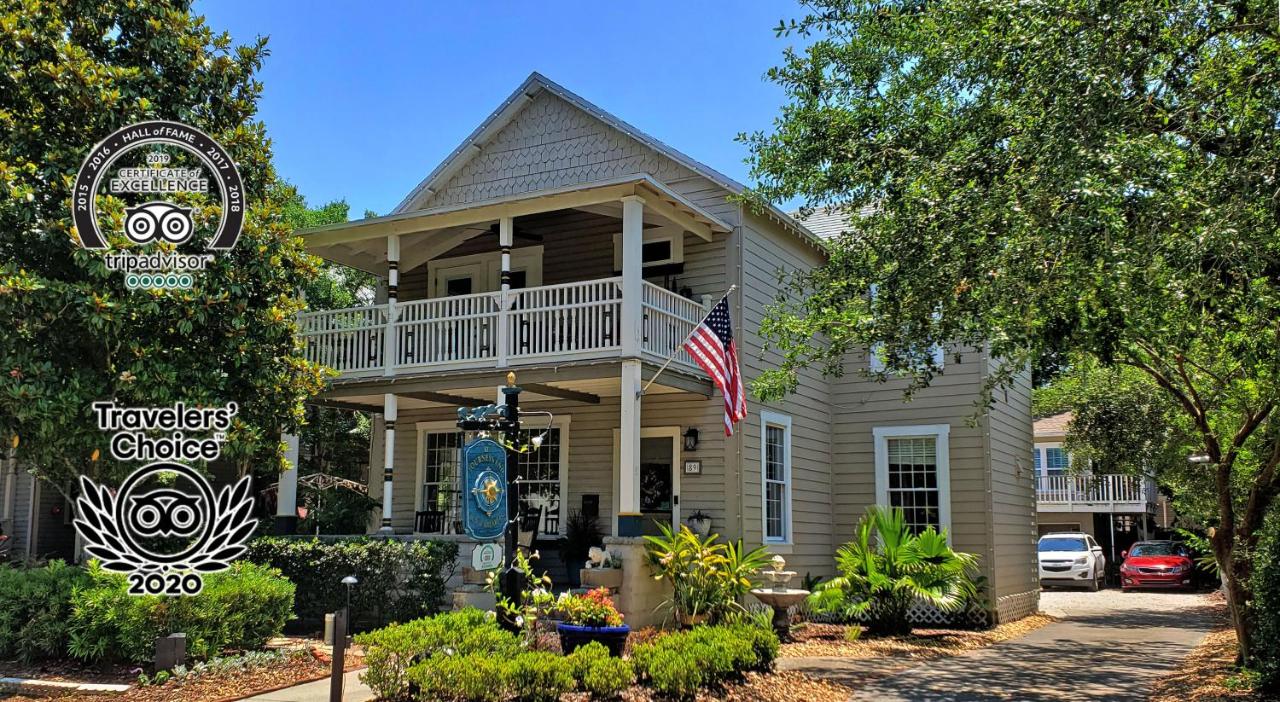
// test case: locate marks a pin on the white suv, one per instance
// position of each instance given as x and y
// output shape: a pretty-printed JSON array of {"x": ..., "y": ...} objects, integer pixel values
[{"x": 1071, "y": 558}]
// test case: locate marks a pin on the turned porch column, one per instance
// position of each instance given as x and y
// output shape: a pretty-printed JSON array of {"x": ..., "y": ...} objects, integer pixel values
[
  {"x": 629, "y": 517},
  {"x": 389, "y": 359},
  {"x": 506, "y": 234},
  {"x": 389, "y": 413}
]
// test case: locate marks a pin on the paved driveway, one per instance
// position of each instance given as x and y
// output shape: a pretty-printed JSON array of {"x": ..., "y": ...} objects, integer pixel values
[{"x": 1109, "y": 646}]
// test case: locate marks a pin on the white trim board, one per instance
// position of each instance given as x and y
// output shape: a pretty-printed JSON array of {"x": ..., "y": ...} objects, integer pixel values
[{"x": 942, "y": 433}]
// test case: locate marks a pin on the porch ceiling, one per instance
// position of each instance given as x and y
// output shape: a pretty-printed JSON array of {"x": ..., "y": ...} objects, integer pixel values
[
  {"x": 429, "y": 233},
  {"x": 539, "y": 384}
]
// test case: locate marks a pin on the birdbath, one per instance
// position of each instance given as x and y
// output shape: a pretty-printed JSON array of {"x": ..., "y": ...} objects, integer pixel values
[{"x": 779, "y": 596}]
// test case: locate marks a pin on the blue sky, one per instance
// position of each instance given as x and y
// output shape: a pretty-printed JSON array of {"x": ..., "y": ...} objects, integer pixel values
[{"x": 363, "y": 99}]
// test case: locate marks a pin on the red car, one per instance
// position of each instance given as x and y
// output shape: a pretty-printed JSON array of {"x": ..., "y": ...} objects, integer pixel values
[{"x": 1156, "y": 564}]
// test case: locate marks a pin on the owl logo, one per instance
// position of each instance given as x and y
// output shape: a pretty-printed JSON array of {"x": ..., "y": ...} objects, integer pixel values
[
  {"x": 158, "y": 220},
  {"x": 164, "y": 512}
]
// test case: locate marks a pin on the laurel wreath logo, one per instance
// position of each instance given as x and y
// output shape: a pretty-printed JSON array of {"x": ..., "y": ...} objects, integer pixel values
[{"x": 106, "y": 538}]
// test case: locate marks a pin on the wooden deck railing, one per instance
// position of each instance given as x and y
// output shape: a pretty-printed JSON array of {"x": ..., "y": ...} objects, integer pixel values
[
  {"x": 571, "y": 321},
  {"x": 1094, "y": 489}
]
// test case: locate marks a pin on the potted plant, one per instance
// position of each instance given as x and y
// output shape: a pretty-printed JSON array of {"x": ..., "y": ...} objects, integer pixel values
[
  {"x": 582, "y": 532},
  {"x": 590, "y": 617},
  {"x": 700, "y": 523}
]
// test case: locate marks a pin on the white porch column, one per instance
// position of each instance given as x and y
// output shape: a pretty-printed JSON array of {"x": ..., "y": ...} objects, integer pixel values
[
  {"x": 388, "y": 459},
  {"x": 629, "y": 517},
  {"x": 389, "y": 358},
  {"x": 287, "y": 488},
  {"x": 10, "y": 484},
  {"x": 506, "y": 234},
  {"x": 632, "y": 275}
]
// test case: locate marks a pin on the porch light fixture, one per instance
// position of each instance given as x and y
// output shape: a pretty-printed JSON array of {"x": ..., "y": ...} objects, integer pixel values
[{"x": 691, "y": 439}]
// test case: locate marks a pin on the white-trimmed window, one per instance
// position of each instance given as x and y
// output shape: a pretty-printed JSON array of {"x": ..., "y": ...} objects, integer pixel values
[
  {"x": 659, "y": 246},
  {"x": 876, "y": 362},
  {"x": 775, "y": 476},
  {"x": 542, "y": 492},
  {"x": 913, "y": 473}
]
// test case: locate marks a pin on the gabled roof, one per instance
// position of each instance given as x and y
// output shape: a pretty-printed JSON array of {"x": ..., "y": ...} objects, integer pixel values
[
  {"x": 1053, "y": 425},
  {"x": 510, "y": 107},
  {"x": 829, "y": 222}
]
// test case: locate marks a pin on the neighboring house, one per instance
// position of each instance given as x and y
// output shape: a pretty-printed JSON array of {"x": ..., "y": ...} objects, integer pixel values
[
  {"x": 613, "y": 246},
  {"x": 34, "y": 516},
  {"x": 1116, "y": 509}
]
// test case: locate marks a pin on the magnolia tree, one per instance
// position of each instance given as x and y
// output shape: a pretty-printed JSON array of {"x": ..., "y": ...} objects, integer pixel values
[
  {"x": 1050, "y": 178},
  {"x": 74, "y": 72}
]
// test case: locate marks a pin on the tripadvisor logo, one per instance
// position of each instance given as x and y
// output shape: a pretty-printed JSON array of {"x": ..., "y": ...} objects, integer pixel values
[{"x": 166, "y": 173}]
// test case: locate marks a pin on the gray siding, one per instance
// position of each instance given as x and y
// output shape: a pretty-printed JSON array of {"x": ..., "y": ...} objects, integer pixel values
[{"x": 1013, "y": 495}]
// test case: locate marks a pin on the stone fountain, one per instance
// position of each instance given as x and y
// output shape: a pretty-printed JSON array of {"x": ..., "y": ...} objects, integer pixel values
[{"x": 779, "y": 596}]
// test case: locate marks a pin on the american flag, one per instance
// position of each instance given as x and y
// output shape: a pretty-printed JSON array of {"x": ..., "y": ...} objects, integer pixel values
[{"x": 711, "y": 345}]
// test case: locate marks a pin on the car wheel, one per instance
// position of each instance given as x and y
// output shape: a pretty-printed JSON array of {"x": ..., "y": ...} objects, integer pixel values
[{"x": 1093, "y": 582}]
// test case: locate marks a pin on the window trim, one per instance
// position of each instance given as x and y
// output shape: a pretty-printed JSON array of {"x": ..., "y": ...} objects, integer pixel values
[
  {"x": 487, "y": 269},
  {"x": 776, "y": 419},
  {"x": 560, "y": 422},
  {"x": 1041, "y": 449},
  {"x": 668, "y": 233},
  {"x": 875, "y": 352},
  {"x": 941, "y": 433}
]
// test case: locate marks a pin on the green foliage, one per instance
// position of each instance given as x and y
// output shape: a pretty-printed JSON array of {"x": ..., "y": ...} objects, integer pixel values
[
  {"x": 598, "y": 673},
  {"x": 1041, "y": 180},
  {"x": 398, "y": 580},
  {"x": 707, "y": 577},
  {"x": 523, "y": 609},
  {"x": 238, "y": 609},
  {"x": 1265, "y": 612},
  {"x": 475, "y": 677},
  {"x": 680, "y": 663},
  {"x": 538, "y": 676},
  {"x": 34, "y": 609},
  {"x": 70, "y": 74},
  {"x": 390, "y": 651},
  {"x": 886, "y": 569}
]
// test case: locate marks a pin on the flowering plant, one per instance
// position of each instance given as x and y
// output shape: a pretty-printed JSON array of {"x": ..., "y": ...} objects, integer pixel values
[{"x": 595, "y": 608}]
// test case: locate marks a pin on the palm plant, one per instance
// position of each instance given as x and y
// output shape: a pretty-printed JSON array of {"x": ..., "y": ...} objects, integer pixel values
[
  {"x": 886, "y": 569},
  {"x": 708, "y": 579}
]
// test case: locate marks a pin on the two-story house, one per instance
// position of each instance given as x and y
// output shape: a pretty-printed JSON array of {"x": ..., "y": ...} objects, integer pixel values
[
  {"x": 560, "y": 242},
  {"x": 1116, "y": 509}
]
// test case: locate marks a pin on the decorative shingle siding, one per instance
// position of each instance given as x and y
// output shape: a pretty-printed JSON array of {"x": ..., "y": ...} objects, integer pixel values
[{"x": 551, "y": 144}]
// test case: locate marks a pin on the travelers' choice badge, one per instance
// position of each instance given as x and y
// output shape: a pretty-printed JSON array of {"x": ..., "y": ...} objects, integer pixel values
[
  {"x": 157, "y": 168},
  {"x": 164, "y": 537},
  {"x": 165, "y": 526}
]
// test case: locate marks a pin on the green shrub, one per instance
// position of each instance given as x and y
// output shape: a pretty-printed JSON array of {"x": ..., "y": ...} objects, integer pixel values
[
  {"x": 238, "y": 609},
  {"x": 398, "y": 580},
  {"x": 34, "y": 609},
  {"x": 677, "y": 664},
  {"x": 1265, "y": 583},
  {"x": 598, "y": 673},
  {"x": 538, "y": 676},
  {"x": 472, "y": 678},
  {"x": 391, "y": 651}
]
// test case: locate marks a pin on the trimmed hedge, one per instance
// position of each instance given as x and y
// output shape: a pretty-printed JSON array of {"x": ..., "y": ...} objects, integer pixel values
[
  {"x": 391, "y": 651},
  {"x": 1265, "y": 610},
  {"x": 35, "y": 609},
  {"x": 680, "y": 663},
  {"x": 238, "y": 609},
  {"x": 398, "y": 580}
]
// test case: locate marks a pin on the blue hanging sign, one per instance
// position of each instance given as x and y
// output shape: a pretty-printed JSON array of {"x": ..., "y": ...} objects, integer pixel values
[{"x": 484, "y": 499}]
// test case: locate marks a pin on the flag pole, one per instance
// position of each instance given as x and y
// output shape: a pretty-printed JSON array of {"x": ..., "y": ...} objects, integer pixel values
[{"x": 680, "y": 346}]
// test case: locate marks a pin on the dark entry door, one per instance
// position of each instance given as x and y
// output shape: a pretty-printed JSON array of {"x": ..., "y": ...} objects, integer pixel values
[{"x": 657, "y": 494}]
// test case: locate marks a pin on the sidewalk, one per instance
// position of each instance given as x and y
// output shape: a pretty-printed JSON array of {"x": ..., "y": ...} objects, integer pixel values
[{"x": 318, "y": 691}]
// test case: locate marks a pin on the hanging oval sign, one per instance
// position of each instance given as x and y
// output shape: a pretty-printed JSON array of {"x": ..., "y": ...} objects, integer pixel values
[{"x": 485, "y": 483}]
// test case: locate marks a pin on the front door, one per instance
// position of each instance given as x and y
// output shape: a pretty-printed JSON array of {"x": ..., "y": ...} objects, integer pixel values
[{"x": 658, "y": 498}]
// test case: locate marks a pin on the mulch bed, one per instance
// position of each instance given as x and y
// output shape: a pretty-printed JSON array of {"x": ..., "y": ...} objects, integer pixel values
[
  {"x": 814, "y": 640},
  {"x": 1208, "y": 673},
  {"x": 222, "y": 687}
]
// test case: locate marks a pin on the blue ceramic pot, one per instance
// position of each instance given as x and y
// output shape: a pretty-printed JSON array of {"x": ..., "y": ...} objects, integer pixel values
[{"x": 572, "y": 636}]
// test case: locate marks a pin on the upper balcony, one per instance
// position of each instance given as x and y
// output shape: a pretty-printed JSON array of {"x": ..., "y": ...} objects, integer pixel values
[
  {"x": 1095, "y": 493},
  {"x": 586, "y": 273},
  {"x": 566, "y": 322}
]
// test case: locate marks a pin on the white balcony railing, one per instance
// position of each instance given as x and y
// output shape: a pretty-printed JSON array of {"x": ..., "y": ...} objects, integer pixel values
[
  {"x": 572, "y": 321},
  {"x": 1094, "y": 489}
]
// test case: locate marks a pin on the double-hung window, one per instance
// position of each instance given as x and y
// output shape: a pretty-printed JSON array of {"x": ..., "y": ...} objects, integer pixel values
[
  {"x": 913, "y": 473},
  {"x": 775, "y": 475}
]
